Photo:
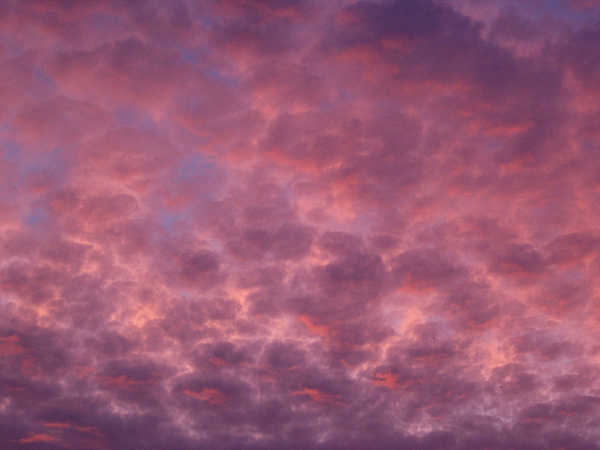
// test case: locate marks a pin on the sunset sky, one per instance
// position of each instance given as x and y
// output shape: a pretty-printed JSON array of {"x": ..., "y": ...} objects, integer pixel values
[{"x": 300, "y": 224}]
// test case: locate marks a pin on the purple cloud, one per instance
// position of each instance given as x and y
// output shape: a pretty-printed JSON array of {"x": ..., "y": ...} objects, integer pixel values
[{"x": 289, "y": 224}]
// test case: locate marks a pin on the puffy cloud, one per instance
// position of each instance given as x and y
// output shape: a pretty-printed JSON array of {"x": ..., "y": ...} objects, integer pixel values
[{"x": 294, "y": 224}]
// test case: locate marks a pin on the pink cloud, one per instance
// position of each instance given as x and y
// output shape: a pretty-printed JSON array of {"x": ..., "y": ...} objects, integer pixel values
[{"x": 290, "y": 224}]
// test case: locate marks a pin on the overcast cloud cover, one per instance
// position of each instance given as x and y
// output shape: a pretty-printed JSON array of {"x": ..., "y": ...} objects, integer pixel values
[{"x": 296, "y": 224}]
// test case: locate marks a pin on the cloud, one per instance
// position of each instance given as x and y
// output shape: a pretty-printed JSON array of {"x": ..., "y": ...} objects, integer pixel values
[{"x": 291, "y": 224}]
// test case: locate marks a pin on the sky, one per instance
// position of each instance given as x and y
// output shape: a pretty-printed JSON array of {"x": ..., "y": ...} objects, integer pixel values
[{"x": 300, "y": 224}]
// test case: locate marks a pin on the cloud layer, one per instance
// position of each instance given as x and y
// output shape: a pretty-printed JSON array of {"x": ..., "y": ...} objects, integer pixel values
[{"x": 294, "y": 224}]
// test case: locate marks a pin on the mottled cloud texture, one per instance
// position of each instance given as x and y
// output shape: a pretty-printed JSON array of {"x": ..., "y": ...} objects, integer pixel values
[{"x": 295, "y": 224}]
